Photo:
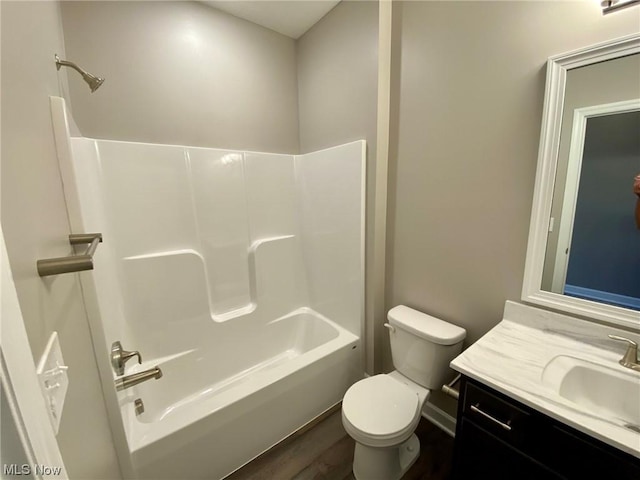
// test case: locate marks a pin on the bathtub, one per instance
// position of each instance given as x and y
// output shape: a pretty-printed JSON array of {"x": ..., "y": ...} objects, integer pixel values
[
  {"x": 202, "y": 425},
  {"x": 239, "y": 274}
]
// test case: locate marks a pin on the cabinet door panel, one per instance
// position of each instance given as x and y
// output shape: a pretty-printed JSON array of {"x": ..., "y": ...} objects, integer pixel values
[
  {"x": 481, "y": 455},
  {"x": 579, "y": 459},
  {"x": 500, "y": 438},
  {"x": 499, "y": 416}
]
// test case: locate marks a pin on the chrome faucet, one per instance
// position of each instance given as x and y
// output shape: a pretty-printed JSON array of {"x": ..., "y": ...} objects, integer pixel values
[
  {"x": 136, "y": 378},
  {"x": 630, "y": 358}
]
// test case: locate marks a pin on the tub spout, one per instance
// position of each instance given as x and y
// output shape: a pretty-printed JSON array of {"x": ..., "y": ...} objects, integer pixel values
[{"x": 136, "y": 378}]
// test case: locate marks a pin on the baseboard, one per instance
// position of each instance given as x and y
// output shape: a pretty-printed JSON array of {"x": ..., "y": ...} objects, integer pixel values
[{"x": 440, "y": 418}]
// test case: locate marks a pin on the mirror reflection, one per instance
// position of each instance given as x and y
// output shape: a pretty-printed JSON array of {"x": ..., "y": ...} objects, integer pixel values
[{"x": 593, "y": 246}]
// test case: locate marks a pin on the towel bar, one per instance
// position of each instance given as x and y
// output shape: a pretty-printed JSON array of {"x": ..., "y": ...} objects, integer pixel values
[{"x": 73, "y": 263}]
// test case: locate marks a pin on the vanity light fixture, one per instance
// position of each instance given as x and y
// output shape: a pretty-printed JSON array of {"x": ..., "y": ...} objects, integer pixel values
[{"x": 609, "y": 6}]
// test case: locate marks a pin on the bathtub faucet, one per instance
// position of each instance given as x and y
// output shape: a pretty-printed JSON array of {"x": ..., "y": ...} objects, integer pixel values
[{"x": 136, "y": 378}]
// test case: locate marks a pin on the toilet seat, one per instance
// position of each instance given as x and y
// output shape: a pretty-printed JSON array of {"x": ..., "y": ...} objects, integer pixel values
[{"x": 380, "y": 411}]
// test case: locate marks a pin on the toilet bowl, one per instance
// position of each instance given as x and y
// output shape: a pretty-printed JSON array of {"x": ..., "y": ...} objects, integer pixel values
[{"x": 382, "y": 412}]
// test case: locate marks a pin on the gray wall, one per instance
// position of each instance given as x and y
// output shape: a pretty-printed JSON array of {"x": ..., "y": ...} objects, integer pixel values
[
  {"x": 467, "y": 114},
  {"x": 337, "y": 92},
  {"x": 337, "y": 78},
  {"x": 462, "y": 171},
  {"x": 182, "y": 73},
  {"x": 35, "y": 225}
]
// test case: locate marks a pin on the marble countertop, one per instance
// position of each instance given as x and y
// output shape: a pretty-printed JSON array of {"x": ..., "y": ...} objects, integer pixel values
[{"x": 512, "y": 358}]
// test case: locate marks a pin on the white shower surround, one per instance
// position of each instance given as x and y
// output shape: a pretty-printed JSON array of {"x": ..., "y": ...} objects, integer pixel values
[{"x": 239, "y": 274}]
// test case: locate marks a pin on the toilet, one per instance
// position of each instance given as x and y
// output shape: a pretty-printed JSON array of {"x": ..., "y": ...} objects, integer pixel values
[{"x": 382, "y": 412}]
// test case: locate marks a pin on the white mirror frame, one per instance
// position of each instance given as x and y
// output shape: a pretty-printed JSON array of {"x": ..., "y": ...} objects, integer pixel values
[{"x": 557, "y": 68}]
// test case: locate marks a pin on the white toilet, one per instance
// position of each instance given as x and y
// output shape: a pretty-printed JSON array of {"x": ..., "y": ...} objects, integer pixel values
[{"x": 381, "y": 412}]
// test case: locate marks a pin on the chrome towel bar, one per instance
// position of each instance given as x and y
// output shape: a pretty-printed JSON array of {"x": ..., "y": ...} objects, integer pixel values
[{"x": 73, "y": 263}]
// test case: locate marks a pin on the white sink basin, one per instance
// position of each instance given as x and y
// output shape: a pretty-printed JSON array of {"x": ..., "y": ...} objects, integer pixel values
[{"x": 600, "y": 390}]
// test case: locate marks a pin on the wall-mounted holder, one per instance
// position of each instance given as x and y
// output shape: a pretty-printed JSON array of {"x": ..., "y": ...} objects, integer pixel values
[
  {"x": 450, "y": 390},
  {"x": 73, "y": 263},
  {"x": 54, "y": 381}
]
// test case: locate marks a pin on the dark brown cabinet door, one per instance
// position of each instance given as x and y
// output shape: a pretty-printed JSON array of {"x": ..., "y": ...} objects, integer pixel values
[
  {"x": 481, "y": 455},
  {"x": 499, "y": 438}
]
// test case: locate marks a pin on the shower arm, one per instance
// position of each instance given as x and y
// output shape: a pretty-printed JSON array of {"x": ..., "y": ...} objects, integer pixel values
[
  {"x": 65, "y": 63},
  {"x": 93, "y": 81}
]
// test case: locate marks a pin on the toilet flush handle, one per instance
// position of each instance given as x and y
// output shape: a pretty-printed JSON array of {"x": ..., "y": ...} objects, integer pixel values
[{"x": 391, "y": 328}]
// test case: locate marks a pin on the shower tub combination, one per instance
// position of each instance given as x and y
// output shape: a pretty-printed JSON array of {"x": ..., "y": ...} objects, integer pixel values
[{"x": 239, "y": 274}]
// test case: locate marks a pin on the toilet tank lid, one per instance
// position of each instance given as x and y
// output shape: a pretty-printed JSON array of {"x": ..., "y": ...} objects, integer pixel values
[{"x": 425, "y": 326}]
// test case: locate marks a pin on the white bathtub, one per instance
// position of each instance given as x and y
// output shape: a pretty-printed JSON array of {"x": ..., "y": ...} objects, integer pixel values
[
  {"x": 199, "y": 424},
  {"x": 239, "y": 274}
]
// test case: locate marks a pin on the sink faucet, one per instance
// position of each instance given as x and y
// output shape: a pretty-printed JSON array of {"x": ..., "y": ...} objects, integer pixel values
[
  {"x": 630, "y": 358},
  {"x": 136, "y": 378}
]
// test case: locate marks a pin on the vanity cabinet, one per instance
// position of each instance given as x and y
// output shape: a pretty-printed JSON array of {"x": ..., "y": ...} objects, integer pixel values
[{"x": 499, "y": 438}]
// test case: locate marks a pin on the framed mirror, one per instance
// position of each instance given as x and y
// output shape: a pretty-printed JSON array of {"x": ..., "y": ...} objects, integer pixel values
[{"x": 583, "y": 255}]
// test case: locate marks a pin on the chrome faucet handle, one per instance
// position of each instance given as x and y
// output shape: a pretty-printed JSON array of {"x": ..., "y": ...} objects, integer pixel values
[
  {"x": 119, "y": 357},
  {"x": 630, "y": 358}
]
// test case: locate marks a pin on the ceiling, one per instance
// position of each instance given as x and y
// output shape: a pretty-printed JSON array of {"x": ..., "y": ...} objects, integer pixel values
[{"x": 288, "y": 17}]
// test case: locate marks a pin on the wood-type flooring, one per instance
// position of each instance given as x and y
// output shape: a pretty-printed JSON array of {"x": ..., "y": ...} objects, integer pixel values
[{"x": 325, "y": 452}]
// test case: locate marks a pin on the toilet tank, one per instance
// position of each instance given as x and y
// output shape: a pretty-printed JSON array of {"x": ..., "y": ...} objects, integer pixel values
[{"x": 422, "y": 346}]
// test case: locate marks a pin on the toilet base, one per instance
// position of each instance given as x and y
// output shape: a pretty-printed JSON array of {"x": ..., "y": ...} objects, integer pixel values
[{"x": 391, "y": 463}]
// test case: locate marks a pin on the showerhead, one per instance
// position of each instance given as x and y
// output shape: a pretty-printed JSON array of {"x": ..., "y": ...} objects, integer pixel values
[{"x": 93, "y": 81}]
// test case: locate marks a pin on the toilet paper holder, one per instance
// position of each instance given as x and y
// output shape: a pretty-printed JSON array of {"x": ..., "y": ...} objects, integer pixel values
[{"x": 449, "y": 390}]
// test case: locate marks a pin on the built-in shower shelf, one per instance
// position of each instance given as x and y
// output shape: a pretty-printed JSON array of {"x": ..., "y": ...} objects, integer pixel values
[
  {"x": 238, "y": 312},
  {"x": 274, "y": 271},
  {"x": 258, "y": 243},
  {"x": 167, "y": 253}
]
